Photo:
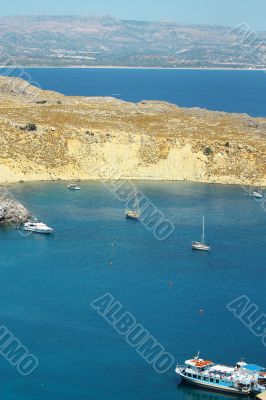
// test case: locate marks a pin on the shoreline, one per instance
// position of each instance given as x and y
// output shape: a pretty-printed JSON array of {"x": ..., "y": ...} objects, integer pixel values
[
  {"x": 122, "y": 142},
  {"x": 133, "y": 68},
  {"x": 97, "y": 179}
]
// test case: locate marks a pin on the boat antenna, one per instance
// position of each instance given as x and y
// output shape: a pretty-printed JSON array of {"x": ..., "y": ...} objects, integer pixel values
[{"x": 197, "y": 356}]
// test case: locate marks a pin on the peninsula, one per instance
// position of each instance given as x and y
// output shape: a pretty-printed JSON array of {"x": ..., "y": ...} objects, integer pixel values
[{"x": 48, "y": 136}]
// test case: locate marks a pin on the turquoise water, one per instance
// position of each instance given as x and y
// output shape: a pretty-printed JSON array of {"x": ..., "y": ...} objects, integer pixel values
[
  {"x": 231, "y": 91},
  {"x": 47, "y": 285}
]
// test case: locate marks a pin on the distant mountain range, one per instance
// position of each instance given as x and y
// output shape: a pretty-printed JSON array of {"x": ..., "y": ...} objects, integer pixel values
[{"x": 106, "y": 41}]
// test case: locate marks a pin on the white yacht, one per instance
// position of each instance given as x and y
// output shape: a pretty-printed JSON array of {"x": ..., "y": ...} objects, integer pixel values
[
  {"x": 201, "y": 245},
  {"x": 243, "y": 378},
  {"x": 72, "y": 186},
  {"x": 37, "y": 227},
  {"x": 135, "y": 213},
  {"x": 257, "y": 194}
]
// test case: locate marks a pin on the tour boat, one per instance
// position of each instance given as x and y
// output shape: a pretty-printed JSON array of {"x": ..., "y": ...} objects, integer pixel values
[
  {"x": 201, "y": 245},
  {"x": 242, "y": 379},
  {"x": 37, "y": 227},
  {"x": 73, "y": 187},
  {"x": 134, "y": 214}
]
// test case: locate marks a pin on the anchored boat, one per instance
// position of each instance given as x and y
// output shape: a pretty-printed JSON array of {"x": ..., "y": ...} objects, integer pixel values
[
  {"x": 242, "y": 379},
  {"x": 73, "y": 187},
  {"x": 37, "y": 227},
  {"x": 201, "y": 245},
  {"x": 135, "y": 213},
  {"x": 257, "y": 193}
]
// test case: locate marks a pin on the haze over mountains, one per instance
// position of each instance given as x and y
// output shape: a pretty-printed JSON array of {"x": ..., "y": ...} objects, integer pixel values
[{"x": 106, "y": 41}]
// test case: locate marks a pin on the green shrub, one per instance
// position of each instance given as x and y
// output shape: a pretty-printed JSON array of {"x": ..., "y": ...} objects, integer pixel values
[
  {"x": 207, "y": 151},
  {"x": 31, "y": 127},
  {"x": 41, "y": 102}
]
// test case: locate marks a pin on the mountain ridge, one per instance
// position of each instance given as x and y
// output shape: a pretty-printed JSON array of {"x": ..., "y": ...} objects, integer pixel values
[{"x": 109, "y": 41}]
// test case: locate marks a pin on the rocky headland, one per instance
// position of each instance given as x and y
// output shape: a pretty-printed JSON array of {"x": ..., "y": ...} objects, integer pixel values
[
  {"x": 48, "y": 136},
  {"x": 12, "y": 213}
]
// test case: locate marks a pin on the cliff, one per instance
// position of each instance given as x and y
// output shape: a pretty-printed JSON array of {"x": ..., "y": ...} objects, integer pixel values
[
  {"x": 12, "y": 213},
  {"x": 46, "y": 135}
]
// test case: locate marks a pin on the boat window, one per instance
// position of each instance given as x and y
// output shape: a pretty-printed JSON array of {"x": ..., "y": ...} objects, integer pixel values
[
  {"x": 199, "y": 377},
  {"x": 195, "y": 376},
  {"x": 206, "y": 378},
  {"x": 211, "y": 379},
  {"x": 189, "y": 375},
  {"x": 217, "y": 381}
]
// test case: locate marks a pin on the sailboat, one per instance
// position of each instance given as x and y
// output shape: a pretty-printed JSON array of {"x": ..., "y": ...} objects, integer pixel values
[
  {"x": 135, "y": 213},
  {"x": 257, "y": 193},
  {"x": 201, "y": 245}
]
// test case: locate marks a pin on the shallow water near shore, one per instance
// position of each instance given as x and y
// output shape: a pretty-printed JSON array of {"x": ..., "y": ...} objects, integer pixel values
[{"x": 48, "y": 282}]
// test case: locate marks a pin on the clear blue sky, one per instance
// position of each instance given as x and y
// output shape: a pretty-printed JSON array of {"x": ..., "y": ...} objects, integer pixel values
[{"x": 224, "y": 12}]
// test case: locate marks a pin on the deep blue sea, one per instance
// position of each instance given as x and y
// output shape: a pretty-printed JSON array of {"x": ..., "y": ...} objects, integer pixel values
[
  {"x": 231, "y": 91},
  {"x": 179, "y": 296},
  {"x": 48, "y": 283}
]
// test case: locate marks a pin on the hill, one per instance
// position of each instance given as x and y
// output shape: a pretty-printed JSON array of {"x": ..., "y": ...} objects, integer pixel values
[
  {"x": 45, "y": 135},
  {"x": 106, "y": 41}
]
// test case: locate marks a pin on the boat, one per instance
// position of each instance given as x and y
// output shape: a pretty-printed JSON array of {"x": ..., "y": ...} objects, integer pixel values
[
  {"x": 37, "y": 227},
  {"x": 135, "y": 213},
  {"x": 243, "y": 378},
  {"x": 257, "y": 193},
  {"x": 201, "y": 245},
  {"x": 73, "y": 187}
]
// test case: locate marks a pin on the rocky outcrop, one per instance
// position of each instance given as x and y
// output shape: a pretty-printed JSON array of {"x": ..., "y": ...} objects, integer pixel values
[
  {"x": 95, "y": 138},
  {"x": 12, "y": 213}
]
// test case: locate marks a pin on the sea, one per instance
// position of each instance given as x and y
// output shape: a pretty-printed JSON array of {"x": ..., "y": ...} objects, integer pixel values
[
  {"x": 219, "y": 90},
  {"x": 50, "y": 285}
]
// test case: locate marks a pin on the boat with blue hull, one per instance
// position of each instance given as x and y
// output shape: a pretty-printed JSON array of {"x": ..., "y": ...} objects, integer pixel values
[{"x": 243, "y": 378}]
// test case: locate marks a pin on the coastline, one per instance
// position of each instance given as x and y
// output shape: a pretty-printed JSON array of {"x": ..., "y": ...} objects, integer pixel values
[
  {"x": 133, "y": 68},
  {"x": 80, "y": 138},
  {"x": 67, "y": 181}
]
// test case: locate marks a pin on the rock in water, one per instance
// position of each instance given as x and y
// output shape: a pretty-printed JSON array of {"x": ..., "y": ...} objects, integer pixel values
[{"x": 12, "y": 213}]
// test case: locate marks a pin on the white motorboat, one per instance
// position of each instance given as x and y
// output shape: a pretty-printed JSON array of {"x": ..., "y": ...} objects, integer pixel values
[
  {"x": 37, "y": 227},
  {"x": 73, "y": 187},
  {"x": 201, "y": 245},
  {"x": 257, "y": 194},
  {"x": 135, "y": 213}
]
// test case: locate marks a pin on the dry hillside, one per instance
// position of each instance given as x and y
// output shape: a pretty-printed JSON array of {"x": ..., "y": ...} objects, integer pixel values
[{"x": 45, "y": 135}]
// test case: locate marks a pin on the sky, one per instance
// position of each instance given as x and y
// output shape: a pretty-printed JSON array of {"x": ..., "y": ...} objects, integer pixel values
[{"x": 221, "y": 12}]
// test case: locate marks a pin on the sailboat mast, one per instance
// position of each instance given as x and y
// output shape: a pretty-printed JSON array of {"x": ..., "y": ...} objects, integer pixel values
[
  {"x": 136, "y": 205},
  {"x": 203, "y": 229}
]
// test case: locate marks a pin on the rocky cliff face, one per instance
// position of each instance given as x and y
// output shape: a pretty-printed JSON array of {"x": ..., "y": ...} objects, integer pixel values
[
  {"x": 12, "y": 213},
  {"x": 45, "y": 135}
]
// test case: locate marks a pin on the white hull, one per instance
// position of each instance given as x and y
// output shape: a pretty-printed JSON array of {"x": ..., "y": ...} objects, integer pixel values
[
  {"x": 37, "y": 227},
  {"x": 45, "y": 231},
  {"x": 200, "y": 246},
  {"x": 212, "y": 386}
]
